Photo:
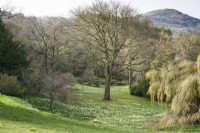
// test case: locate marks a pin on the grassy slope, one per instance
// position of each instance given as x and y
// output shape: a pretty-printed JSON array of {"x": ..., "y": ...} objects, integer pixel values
[
  {"x": 17, "y": 116},
  {"x": 124, "y": 113}
]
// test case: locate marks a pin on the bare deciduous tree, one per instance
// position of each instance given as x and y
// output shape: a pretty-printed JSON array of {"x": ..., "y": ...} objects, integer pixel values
[
  {"x": 49, "y": 36},
  {"x": 116, "y": 36}
]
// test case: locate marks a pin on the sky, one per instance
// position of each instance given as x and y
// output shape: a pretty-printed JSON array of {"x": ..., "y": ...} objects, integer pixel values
[{"x": 63, "y": 7}]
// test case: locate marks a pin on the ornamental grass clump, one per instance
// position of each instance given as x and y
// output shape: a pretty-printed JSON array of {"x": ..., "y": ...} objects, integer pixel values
[
  {"x": 179, "y": 85},
  {"x": 186, "y": 68},
  {"x": 186, "y": 100},
  {"x": 170, "y": 83},
  {"x": 154, "y": 78}
]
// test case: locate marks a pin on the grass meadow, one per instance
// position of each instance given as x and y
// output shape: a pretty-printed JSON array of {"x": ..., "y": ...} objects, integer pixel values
[{"x": 123, "y": 114}]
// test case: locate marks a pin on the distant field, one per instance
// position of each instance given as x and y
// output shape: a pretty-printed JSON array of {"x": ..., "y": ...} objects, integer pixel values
[{"x": 124, "y": 113}]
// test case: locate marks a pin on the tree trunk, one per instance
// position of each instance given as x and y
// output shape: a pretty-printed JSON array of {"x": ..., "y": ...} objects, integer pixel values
[
  {"x": 130, "y": 75},
  {"x": 51, "y": 99},
  {"x": 130, "y": 78},
  {"x": 108, "y": 77},
  {"x": 46, "y": 62}
]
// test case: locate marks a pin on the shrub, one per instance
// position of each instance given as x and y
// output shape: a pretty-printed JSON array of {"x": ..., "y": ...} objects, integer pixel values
[
  {"x": 59, "y": 85},
  {"x": 140, "y": 88},
  {"x": 33, "y": 81},
  {"x": 98, "y": 82},
  {"x": 67, "y": 94},
  {"x": 9, "y": 85},
  {"x": 89, "y": 76}
]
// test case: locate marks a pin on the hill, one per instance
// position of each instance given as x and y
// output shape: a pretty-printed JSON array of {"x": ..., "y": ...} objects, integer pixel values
[{"x": 175, "y": 20}]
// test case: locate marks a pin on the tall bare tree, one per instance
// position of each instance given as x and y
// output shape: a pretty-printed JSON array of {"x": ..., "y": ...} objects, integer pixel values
[
  {"x": 115, "y": 34},
  {"x": 49, "y": 36}
]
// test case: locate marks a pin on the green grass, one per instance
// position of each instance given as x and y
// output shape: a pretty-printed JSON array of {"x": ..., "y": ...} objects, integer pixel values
[
  {"x": 123, "y": 114},
  {"x": 17, "y": 116}
]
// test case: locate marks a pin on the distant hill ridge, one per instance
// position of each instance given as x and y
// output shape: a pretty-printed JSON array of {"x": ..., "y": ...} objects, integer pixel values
[{"x": 175, "y": 20}]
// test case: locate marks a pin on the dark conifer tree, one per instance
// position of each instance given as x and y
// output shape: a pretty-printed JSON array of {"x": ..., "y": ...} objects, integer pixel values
[{"x": 12, "y": 53}]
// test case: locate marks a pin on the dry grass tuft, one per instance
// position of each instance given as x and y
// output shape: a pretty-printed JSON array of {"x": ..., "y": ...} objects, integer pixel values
[
  {"x": 168, "y": 121},
  {"x": 171, "y": 120},
  {"x": 198, "y": 63}
]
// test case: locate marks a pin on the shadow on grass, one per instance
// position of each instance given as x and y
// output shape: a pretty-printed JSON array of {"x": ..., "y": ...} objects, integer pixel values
[
  {"x": 43, "y": 120},
  {"x": 26, "y": 115}
]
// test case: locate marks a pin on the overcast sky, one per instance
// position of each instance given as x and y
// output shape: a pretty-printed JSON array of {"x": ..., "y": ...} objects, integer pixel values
[{"x": 63, "y": 7}]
